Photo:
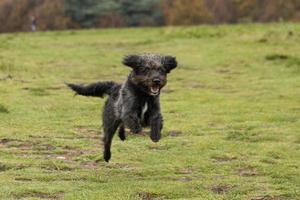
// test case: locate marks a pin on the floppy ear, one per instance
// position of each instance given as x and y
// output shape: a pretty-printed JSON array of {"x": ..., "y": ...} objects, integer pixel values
[
  {"x": 170, "y": 63},
  {"x": 132, "y": 61}
]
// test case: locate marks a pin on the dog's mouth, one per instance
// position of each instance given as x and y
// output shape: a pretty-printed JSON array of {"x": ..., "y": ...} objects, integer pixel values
[{"x": 154, "y": 90}]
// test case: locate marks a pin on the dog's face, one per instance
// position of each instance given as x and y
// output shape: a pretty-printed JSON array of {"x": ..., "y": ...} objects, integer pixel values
[{"x": 150, "y": 71}]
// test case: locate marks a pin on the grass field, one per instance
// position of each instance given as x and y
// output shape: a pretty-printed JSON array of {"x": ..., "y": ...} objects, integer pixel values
[{"x": 231, "y": 110}]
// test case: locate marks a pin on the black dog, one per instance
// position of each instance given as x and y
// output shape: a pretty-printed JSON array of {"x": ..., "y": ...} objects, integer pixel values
[{"x": 135, "y": 103}]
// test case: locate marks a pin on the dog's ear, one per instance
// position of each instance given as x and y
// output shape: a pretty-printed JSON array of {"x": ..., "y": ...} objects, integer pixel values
[
  {"x": 170, "y": 63},
  {"x": 132, "y": 61}
]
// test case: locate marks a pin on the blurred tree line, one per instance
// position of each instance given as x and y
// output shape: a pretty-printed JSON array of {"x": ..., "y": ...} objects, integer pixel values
[{"x": 15, "y": 15}]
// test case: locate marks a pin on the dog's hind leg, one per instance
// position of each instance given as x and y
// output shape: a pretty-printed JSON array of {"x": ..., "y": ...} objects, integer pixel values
[
  {"x": 109, "y": 131},
  {"x": 122, "y": 135}
]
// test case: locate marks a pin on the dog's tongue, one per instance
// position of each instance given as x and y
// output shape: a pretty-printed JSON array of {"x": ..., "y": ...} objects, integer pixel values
[{"x": 154, "y": 89}]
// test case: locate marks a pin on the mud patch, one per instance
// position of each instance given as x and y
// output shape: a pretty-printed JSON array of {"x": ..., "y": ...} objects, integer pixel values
[
  {"x": 37, "y": 91},
  {"x": 197, "y": 85},
  {"x": 269, "y": 161},
  {"x": 249, "y": 134},
  {"x": 248, "y": 171},
  {"x": 149, "y": 196},
  {"x": 44, "y": 147},
  {"x": 55, "y": 88},
  {"x": 175, "y": 133},
  {"x": 3, "y": 109},
  {"x": 289, "y": 61},
  {"x": 167, "y": 90},
  {"x": 23, "y": 179},
  {"x": 276, "y": 57},
  {"x": 41, "y": 195},
  {"x": 87, "y": 132},
  {"x": 221, "y": 189},
  {"x": 267, "y": 198},
  {"x": 223, "y": 71},
  {"x": 183, "y": 179},
  {"x": 20, "y": 144},
  {"x": 158, "y": 147},
  {"x": 91, "y": 165},
  {"x": 70, "y": 154},
  {"x": 15, "y": 143},
  {"x": 123, "y": 166},
  {"x": 8, "y": 77},
  {"x": 7, "y": 140},
  {"x": 4, "y": 167},
  {"x": 223, "y": 159},
  {"x": 55, "y": 166},
  {"x": 187, "y": 170}
]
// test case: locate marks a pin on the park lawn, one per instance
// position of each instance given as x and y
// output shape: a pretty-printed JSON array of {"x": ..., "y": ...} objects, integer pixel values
[{"x": 231, "y": 111}]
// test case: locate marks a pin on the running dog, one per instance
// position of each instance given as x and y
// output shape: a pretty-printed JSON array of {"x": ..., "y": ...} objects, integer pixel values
[{"x": 135, "y": 103}]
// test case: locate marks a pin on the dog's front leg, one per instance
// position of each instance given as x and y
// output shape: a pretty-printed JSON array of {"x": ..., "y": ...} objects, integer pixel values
[
  {"x": 132, "y": 122},
  {"x": 156, "y": 124}
]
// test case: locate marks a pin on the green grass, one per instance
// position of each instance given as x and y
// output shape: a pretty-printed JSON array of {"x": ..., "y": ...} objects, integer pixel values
[{"x": 231, "y": 110}]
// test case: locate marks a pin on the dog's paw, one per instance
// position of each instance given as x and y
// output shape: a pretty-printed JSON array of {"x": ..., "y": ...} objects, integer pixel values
[
  {"x": 107, "y": 156},
  {"x": 122, "y": 137},
  {"x": 122, "y": 134},
  {"x": 155, "y": 138}
]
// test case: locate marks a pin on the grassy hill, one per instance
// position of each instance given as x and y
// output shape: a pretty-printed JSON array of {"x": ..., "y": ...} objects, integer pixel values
[{"x": 231, "y": 110}]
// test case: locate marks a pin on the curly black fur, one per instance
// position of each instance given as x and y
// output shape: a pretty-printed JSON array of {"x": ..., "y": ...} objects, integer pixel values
[{"x": 135, "y": 103}]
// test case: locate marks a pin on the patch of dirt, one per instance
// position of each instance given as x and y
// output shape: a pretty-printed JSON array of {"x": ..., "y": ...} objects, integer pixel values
[
  {"x": 167, "y": 90},
  {"x": 247, "y": 171},
  {"x": 91, "y": 165},
  {"x": 172, "y": 111},
  {"x": 7, "y": 140},
  {"x": 221, "y": 189},
  {"x": 276, "y": 57},
  {"x": 197, "y": 85},
  {"x": 262, "y": 40},
  {"x": 52, "y": 166},
  {"x": 23, "y": 145},
  {"x": 23, "y": 179},
  {"x": 175, "y": 133},
  {"x": 8, "y": 77},
  {"x": 158, "y": 147},
  {"x": 70, "y": 154},
  {"x": 37, "y": 91},
  {"x": 223, "y": 71},
  {"x": 87, "y": 132},
  {"x": 44, "y": 147},
  {"x": 3, "y": 109},
  {"x": 4, "y": 167},
  {"x": 39, "y": 136},
  {"x": 267, "y": 198},
  {"x": 223, "y": 159},
  {"x": 149, "y": 196},
  {"x": 123, "y": 166},
  {"x": 269, "y": 161},
  {"x": 20, "y": 144},
  {"x": 184, "y": 179},
  {"x": 187, "y": 170},
  {"x": 55, "y": 88},
  {"x": 41, "y": 195}
]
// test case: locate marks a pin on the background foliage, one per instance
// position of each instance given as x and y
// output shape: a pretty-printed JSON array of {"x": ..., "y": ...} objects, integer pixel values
[{"x": 59, "y": 14}]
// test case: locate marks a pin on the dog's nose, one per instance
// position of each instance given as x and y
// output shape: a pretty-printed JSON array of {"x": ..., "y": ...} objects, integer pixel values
[{"x": 156, "y": 81}]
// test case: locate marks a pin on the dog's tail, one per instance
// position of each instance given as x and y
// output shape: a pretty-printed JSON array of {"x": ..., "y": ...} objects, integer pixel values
[{"x": 98, "y": 89}]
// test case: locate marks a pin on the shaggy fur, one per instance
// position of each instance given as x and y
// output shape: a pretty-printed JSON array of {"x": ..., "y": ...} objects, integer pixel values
[{"x": 135, "y": 103}]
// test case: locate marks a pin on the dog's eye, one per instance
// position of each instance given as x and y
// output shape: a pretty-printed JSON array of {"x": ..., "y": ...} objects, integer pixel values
[
  {"x": 161, "y": 70},
  {"x": 146, "y": 69}
]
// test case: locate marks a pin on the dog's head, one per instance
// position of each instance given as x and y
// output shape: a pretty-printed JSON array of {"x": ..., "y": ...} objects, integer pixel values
[{"x": 150, "y": 71}]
